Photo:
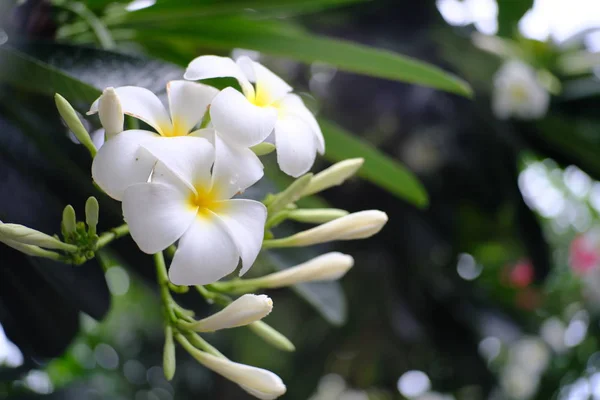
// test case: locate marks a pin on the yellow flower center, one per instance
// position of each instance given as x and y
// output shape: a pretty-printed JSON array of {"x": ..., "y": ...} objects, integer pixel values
[
  {"x": 176, "y": 129},
  {"x": 205, "y": 201},
  {"x": 518, "y": 93}
]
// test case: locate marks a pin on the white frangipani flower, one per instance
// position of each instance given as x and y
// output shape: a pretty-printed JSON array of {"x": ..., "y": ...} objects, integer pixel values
[
  {"x": 265, "y": 107},
  {"x": 245, "y": 310},
  {"x": 259, "y": 382},
  {"x": 129, "y": 156},
  {"x": 518, "y": 93},
  {"x": 186, "y": 201}
]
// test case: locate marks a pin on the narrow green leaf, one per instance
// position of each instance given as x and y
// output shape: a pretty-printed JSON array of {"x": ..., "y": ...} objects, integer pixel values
[
  {"x": 275, "y": 38},
  {"x": 26, "y": 72},
  {"x": 378, "y": 168},
  {"x": 169, "y": 9}
]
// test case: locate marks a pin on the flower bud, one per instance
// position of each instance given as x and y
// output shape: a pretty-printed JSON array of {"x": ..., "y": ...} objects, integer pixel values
[
  {"x": 92, "y": 210},
  {"x": 271, "y": 336},
  {"x": 243, "y": 311},
  {"x": 110, "y": 112},
  {"x": 69, "y": 220},
  {"x": 262, "y": 149},
  {"x": 326, "y": 267},
  {"x": 258, "y": 382},
  {"x": 359, "y": 225},
  {"x": 29, "y": 249},
  {"x": 316, "y": 215},
  {"x": 169, "y": 363},
  {"x": 25, "y": 235},
  {"x": 73, "y": 122},
  {"x": 333, "y": 176}
]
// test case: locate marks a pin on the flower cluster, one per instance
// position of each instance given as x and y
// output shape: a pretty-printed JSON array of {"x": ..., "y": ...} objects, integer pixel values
[
  {"x": 181, "y": 179},
  {"x": 177, "y": 181}
]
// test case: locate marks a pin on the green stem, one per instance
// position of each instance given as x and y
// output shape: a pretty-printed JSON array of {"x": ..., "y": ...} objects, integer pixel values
[
  {"x": 111, "y": 235},
  {"x": 194, "y": 341},
  {"x": 163, "y": 284}
]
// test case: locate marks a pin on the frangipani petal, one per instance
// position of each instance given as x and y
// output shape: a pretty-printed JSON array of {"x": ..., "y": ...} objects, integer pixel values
[
  {"x": 187, "y": 157},
  {"x": 206, "y": 67},
  {"x": 157, "y": 214},
  {"x": 141, "y": 104},
  {"x": 235, "y": 170},
  {"x": 292, "y": 105},
  {"x": 296, "y": 146},
  {"x": 239, "y": 121},
  {"x": 188, "y": 102},
  {"x": 205, "y": 254},
  {"x": 245, "y": 221},
  {"x": 269, "y": 87},
  {"x": 121, "y": 162}
]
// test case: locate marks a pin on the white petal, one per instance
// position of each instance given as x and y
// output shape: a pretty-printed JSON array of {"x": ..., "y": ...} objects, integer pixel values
[
  {"x": 188, "y": 157},
  {"x": 142, "y": 104},
  {"x": 292, "y": 105},
  {"x": 296, "y": 146},
  {"x": 157, "y": 214},
  {"x": 205, "y": 253},
  {"x": 240, "y": 121},
  {"x": 269, "y": 87},
  {"x": 236, "y": 169},
  {"x": 206, "y": 67},
  {"x": 188, "y": 102},
  {"x": 245, "y": 220},
  {"x": 121, "y": 162}
]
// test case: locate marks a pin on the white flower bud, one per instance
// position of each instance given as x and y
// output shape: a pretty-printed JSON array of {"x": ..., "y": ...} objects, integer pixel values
[
  {"x": 316, "y": 215},
  {"x": 333, "y": 176},
  {"x": 326, "y": 267},
  {"x": 243, "y": 311},
  {"x": 68, "y": 114},
  {"x": 110, "y": 112},
  {"x": 25, "y": 235},
  {"x": 359, "y": 225},
  {"x": 258, "y": 382}
]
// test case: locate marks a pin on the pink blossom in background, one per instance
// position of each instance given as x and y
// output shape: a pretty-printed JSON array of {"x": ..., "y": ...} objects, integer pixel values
[
  {"x": 521, "y": 274},
  {"x": 584, "y": 253}
]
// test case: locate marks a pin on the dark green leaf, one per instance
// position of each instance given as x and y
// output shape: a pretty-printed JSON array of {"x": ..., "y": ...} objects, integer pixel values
[
  {"x": 164, "y": 10},
  {"x": 275, "y": 38},
  {"x": 510, "y": 13},
  {"x": 378, "y": 168}
]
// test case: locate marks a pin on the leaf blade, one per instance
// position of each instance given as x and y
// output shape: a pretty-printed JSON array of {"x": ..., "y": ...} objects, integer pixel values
[{"x": 378, "y": 168}]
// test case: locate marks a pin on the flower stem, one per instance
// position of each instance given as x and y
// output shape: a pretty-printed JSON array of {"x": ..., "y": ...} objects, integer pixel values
[
  {"x": 111, "y": 235},
  {"x": 163, "y": 284}
]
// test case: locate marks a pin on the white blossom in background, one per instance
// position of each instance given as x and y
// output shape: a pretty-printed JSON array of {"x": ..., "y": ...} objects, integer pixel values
[
  {"x": 129, "y": 157},
  {"x": 266, "y": 107},
  {"x": 518, "y": 93},
  {"x": 187, "y": 201}
]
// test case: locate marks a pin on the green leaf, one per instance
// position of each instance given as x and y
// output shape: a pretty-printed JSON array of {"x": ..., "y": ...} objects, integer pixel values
[
  {"x": 378, "y": 168},
  {"x": 278, "y": 39},
  {"x": 185, "y": 9},
  {"x": 510, "y": 13},
  {"x": 326, "y": 297},
  {"x": 26, "y": 72}
]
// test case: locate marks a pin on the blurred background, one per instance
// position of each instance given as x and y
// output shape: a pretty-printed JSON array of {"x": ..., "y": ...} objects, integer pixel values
[{"x": 490, "y": 291}]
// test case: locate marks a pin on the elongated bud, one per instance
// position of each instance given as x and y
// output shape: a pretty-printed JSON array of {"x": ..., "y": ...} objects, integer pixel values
[
  {"x": 262, "y": 149},
  {"x": 169, "y": 354},
  {"x": 289, "y": 195},
  {"x": 326, "y": 267},
  {"x": 243, "y": 311},
  {"x": 258, "y": 382},
  {"x": 25, "y": 235},
  {"x": 316, "y": 215},
  {"x": 69, "y": 220},
  {"x": 92, "y": 210},
  {"x": 111, "y": 113},
  {"x": 333, "y": 176},
  {"x": 271, "y": 336},
  {"x": 359, "y": 225},
  {"x": 73, "y": 122}
]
